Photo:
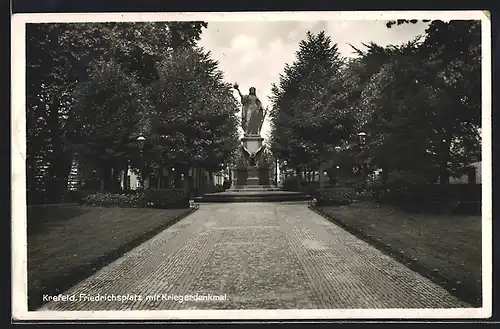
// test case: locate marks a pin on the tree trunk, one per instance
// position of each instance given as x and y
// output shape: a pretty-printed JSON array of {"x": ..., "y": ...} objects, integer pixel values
[
  {"x": 211, "y": 179},
  {"x": 199, "y": 179},
  {"x": 60, "y": 159},
  {"x": 384, "y": 177},
  {"x": 115, "y": 179},
  {"x": 321, "y": 178},
  {"x": 332, "y": 174},
  {"x": 58, "y": 170},
  {"x": 444, "y": 177},
  {"x": 471, "y": 176},
  {"x": 186, "y": 181},
  {"x": 299, "y": 178},
  {"x": 105, "y": 175},
  {"x": 30, "y": 176},
  {"x": 125, "y": 176}
]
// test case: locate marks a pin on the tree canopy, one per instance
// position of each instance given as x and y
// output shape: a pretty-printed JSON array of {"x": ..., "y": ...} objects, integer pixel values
[
  {"x": 102, "y": 84},
  {"x": 419, "y": 103},
  {"x": 309, "y": 114}
]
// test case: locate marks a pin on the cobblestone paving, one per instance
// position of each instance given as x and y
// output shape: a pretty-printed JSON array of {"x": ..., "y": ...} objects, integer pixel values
[{"x": 257, "y": 256}]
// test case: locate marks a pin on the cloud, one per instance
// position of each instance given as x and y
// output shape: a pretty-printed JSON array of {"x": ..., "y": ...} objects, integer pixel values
[{"x": 243, "y": 42}]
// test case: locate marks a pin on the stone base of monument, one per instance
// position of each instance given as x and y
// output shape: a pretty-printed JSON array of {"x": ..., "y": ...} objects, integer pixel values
[
  {"x": 253, "y": 195},
  {"x": 252, "y": 182},
  {"x": 253, "y": 192},
  {"x": 254, "y": 188}
]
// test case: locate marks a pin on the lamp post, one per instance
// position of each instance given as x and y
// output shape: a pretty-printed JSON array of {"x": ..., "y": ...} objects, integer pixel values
[
  {"x": 336, "y": 160},
  {"x": 362, "y": 142},
  {"x": 276, "y": 164},
  {"x": 140, "y": 143}
]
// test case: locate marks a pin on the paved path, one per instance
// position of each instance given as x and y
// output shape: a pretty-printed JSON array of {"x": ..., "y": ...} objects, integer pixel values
[{"x": 277, "y": 256}]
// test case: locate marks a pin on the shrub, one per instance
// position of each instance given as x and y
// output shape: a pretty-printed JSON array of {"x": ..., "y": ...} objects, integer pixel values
[
  {"x": 363, "y": 195},
  {"x": 107, "y": 199},
  {"x": 226, "y": 184},
  {"x": 291, "y": 183},
  {"x": 427, "y": 197},
  {"x": 78, "y": 196},
  {"x": 167, "y": 198},
  {"x": 218, "y": 188},
  {"x": 335, "y": 197},
  {"x": 151, "y": 198},
  {"x": 309, "y": 187}
]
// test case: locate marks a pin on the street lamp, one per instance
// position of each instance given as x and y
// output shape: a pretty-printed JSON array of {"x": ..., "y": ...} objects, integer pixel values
[
  {"x": 362, "y": 138},
  {"x": 140, "y": 142},
  {"x": 276, "y": 164},
  {"x": 362, "y": 142},
  {"x": 336, "y": 158}
]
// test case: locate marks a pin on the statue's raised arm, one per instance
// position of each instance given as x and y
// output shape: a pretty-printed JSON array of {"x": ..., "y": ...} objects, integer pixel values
[{"x": 235, "y": 86}]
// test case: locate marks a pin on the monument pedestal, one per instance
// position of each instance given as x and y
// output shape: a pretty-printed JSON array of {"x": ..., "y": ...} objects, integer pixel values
[{"x": 252, "y": 174}]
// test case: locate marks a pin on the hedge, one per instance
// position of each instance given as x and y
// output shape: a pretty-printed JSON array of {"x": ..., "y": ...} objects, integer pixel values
[
  {"x": 429, "y": 197},
  {"x": 167, "y": 198},
  {"x": 150, "y": 198},
  {"x": 335, "y": 197},
  {"x": 291, "y": 184}
]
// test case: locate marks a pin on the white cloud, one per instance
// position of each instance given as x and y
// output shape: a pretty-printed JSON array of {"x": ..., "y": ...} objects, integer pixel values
[
  {"x": 251, "y": 57},
  {"x": 244, "y": 42}
]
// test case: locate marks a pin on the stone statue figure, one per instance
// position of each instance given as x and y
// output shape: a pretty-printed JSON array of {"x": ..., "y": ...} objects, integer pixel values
[{"x": 253, "y": 113}]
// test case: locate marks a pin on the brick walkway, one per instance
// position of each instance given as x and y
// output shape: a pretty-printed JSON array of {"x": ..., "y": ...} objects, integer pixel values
[{"x": 260, "y": 256}]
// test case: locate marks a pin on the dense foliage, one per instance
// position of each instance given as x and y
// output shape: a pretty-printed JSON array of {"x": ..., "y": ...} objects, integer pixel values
[
  {"x": 100, "y": 85},
  {"x": 419, "y": 104}
]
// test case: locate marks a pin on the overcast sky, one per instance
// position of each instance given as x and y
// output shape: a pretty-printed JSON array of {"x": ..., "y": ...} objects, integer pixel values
[{"x": 254, "y": 53}]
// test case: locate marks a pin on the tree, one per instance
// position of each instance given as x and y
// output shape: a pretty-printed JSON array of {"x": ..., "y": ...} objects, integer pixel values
[
  {"x": 422, "y": 107},
  {"x": 396, "y": 99},
  {"x": 194, "y": 121},
  {"x": 107, "y": 114},
  {"x": 310, "y": 111},
  {"x": 58, "y": 56},
  {"x": 398, "y": 22},
  {"x": 454, "y": 67}
]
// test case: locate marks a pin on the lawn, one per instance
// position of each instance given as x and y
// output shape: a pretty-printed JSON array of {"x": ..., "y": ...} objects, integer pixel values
[
  {"x": 68, "y": 243},
  {"x": 446, "y": 249}
]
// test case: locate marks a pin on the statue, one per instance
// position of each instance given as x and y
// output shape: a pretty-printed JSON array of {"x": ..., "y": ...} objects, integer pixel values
[{"x": 253, "y": 113}]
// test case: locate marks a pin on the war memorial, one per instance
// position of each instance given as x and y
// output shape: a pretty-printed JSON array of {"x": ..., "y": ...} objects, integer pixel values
[{"x": 252, "y": 175}]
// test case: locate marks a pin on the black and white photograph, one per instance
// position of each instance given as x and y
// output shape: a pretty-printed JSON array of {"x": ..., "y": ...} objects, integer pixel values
[{"x": 251, "y": 165}]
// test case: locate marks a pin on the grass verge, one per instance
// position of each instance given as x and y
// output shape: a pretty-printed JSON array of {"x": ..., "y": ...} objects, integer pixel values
[
  {"x": 67, "y": 244},
  {"x": 445, "y": 249}
]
